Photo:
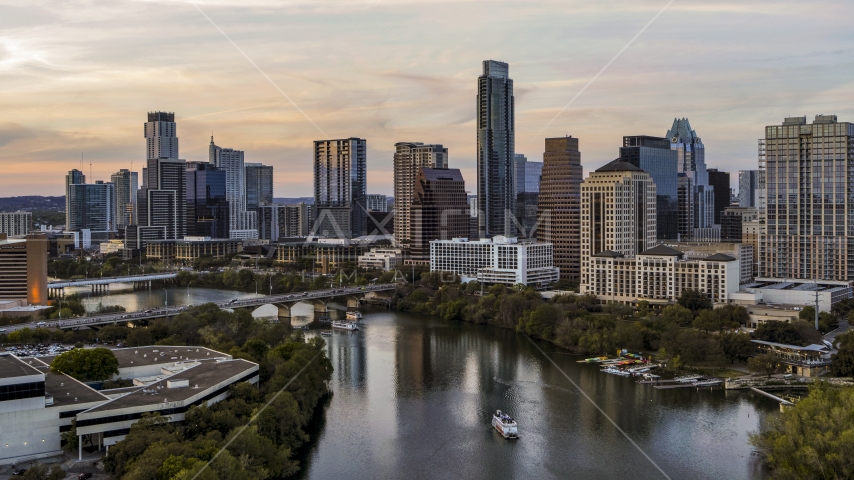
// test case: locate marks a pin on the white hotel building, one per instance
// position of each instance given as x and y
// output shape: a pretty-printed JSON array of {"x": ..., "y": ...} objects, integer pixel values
[{"x": 499, "y": 259}]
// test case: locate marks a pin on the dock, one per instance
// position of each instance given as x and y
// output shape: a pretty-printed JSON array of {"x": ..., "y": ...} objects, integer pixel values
[{"x": 782, "y": 401}]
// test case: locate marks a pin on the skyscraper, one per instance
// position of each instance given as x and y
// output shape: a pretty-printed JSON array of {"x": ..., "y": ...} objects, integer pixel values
[
  {"x": 439, "y": 209},
  {"x": 207, "y": 207},
  {"x": 92, "y": 207},
  {"x": 377, "y": 202},
  {"x": 654, "y": 156},
  {"x": 559, "y": 204},
  {"x": 161, "y": 199},
  {"x": 241, "y": 221},
  {"x": 696, "y": 206},
  {"x": 340, "y": 187},
  {"x": 809, "y": 230},
  {"x": 527, "y": 191},
  {"x": 259, "y": 185},
  {"x": 161, "y": 139},
  {"x": 748, "y": 184},
  {"x": 126, "y": 183},
  {"x": 74, "y": 177},
  {"x": 408, "y": 158},
  {"x": 496, "y": 193},
  {"x": 617, "y": 213},
  {"x": 720, "y": 183}
]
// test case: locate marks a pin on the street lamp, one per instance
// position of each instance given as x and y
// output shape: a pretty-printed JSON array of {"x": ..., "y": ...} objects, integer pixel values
[
  {"x": 256, "y": 288},
  {"x": 271, "y": 285},
  {"x": 166, "y": 301}
]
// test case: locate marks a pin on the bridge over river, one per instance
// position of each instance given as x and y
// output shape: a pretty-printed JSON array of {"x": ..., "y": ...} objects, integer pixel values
[{"x": 57, "y": 289}]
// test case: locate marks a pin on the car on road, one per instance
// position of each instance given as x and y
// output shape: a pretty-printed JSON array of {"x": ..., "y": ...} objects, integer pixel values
[
  {"x": 84, "y": 476},
  {"x": 40, "y": 324},
  {"x": 2, "y": 330},
  {"x": 19, "y": 473}
]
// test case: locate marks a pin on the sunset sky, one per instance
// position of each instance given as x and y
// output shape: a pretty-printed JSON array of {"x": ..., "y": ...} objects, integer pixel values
[{"x": 78, "y": 77}]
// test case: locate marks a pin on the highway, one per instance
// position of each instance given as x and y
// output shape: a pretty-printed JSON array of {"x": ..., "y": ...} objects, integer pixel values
[{"x": 105, "y": 319}]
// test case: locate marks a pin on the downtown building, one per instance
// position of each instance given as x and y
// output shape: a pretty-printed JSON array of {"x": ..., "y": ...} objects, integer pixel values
[
  {"x": 696, "y": 197},
  {"x": 377, "y": 202},
  {"x": 496, "y": 193},
  {"x": 340, "y": 188},
  {"x": 259, "y": 185},
  {"x": 207, "y": 206},
  {"x": 748, "y": 188},
  {"x": 439, "y": 210},
  {"x": 809, "y": 224},
  {"x": 126, "y": 184},
  {"x": 654, "y": 156},
  {"x": 161, "y": 201},
  {"x": 504, "y": 260},
  {"x": 720, "y": 185},
  {"x": 409, "y": 157},
  {"x": 23, "y": 271},
  {"x": 16, "y": 223},
  {"x": 243, "y": 224},
  {"x": 527, "y": 194},
  {"x": 559, "y": 204},
  {"x": 279, "y": 221},
  {"x": 92, "y": 207}
]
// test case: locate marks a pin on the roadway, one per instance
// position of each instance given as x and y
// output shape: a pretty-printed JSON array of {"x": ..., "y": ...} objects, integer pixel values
[
  {"x": 106, "y": 280},
  {"x": 111, "y": 318}
]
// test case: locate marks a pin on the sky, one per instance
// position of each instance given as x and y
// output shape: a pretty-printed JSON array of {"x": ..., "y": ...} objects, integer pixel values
[{"x": 78, "y": 77}]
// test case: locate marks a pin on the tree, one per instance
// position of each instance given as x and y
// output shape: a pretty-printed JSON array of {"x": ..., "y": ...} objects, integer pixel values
[
  {"x": 677, "y": 314},
  {"x": 43, "y": 472},
  {"x": 810, "y": 439},
  {"x": 778, "y": 332},
  {"x": 643, "y": 309},
  {"x": 732, "y": 316},
  {"x": 807, "y": 313},
  {"x": 842, "y": 362},
  {"x": 736, "y": 346},
  {"x": 86, "y": 365},
  {"x": 765, "y": 364},
  {"x": 708, "y": 321},
  {"x": 694, "y": 300}
]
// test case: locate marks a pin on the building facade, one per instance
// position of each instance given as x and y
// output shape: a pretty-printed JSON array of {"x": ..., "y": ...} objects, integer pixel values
[
  {"x": 720, "y": 184},
  {"x": 241, "y": 220},
  {"x": 408, "y": 158},
  {"x": 742, "y": 252},
  {"x": 439, "y": 210},
  {"x": 74, "y": 177},
  {"x": 809, "y": 222},
  {"x": 617, "y": 214},
  {"x": 695, "y": 196},
  {"x": 207, "y": 204},
  {"x": 527, "y": 195},
  {"x": 748, "y": 185},
  {"x": 259, "y": 185},
  {"x": 23, "y": 269},
  {"x": 340, "y": 187},
  {"x": 192, "y": 248},
  {"x": 278, "y": 221},
  {"x": 92, "y": 207},
  {"x": 559, "y": 204},
  {"x": 732, "y": 221},
  {"x": 126, "y": 184},
  {"x": 504, "y": 260},
  {"x": 377, "y": 203},
  {"x": 16, "y": 223},
  {"x": 654, "y": 156},
  {"x": 386, "y": 259},
  {"x": 496, "y": 195}
]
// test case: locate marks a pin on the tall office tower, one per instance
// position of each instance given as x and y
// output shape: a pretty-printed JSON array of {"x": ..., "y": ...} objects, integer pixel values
[
  {"x": 259, "y": 185},
  {"x": 696, "y": 207},
  {"x": 617, "y": 213},
  {"x": 527, "y": 192},
  {"x": 92, "y": 207},
  {"x": 241, "y": 221},
  {"x": 23, "y": 269},
  {"x": 126, "y": 183},
  {"x": 340, "y": 187},
  {"x": 279, "y": 221},
  {"x": 161, "y": 139},
  {"x": 377, "y": 202},
  {"x": 161, "y": 201},
  {"x": 748, "y": 184},
  {"x": 16, "y": 223},
  {"x": 408, "y": 158},
  {"x": 207, "y": 207},
  {"x": 654, "y": 156},
  {"x": 74, "y": 177},
  {"x": 439, "y": 209},
  {"x": 496, "y": 195},
  {"x": 809, "y": 230},
  {"x": 720, "y": 184},
  {"x": 559, "y": 204}
]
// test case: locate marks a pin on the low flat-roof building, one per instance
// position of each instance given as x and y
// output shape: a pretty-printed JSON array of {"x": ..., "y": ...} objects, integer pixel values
[
  {"x": 191, "y": 248},
  {"x": 321, "y": 255},
  {"x": 500, "y": 259},
  {"x": 23, "y": 269},
  {"x": 810, "y": 361},
  {"x": 382, "y": 258},
  {"x": 772, "y": 291}
]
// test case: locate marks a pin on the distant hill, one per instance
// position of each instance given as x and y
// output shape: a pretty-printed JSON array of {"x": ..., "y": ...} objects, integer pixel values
[
  {"x": 308, "y": 200},
  {"x": 32, "y": 203}
]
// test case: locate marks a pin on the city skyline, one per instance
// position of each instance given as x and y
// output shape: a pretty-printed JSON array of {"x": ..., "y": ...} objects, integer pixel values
[{"x": 736, "y": 85}]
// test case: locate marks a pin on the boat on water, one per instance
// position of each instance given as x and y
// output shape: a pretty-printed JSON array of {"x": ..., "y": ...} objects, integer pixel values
[
  {"x": 353, "y": 315},
  {"x": 651, "y": 376},
  {"x": 688, "y": 378},
  {"x": 616, "y": 371},
  {"x": 708, "y": 383},
  {"x": 344, "y": 325},
  {"x": 505, "y": 424},
  {"x": 595, "y": 359},
  {"x": 326, "y": 333}
]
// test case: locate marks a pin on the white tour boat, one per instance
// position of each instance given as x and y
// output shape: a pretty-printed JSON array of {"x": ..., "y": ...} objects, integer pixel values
[
  {"x": 354, "y": 315},
  {"x": 505, "y": 424},
  {"x": 344, "y": 325}
]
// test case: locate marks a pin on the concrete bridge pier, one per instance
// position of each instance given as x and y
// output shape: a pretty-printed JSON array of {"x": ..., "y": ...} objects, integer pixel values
[
  {"x": 320, "y": 305},
  {"x": 352, "y": 302},
  {"x": 284, "y": 309}
]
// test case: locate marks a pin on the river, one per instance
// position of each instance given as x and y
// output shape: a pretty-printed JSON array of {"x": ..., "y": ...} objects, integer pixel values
[{"x": 413, "y": 397}]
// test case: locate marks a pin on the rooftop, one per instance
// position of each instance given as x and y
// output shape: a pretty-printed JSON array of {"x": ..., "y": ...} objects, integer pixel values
[
  {"x": 12, "y": 366},
  {"x": 618, "y": 166},
  {"x": 609, "y": 253},
  {"x": 68, "y": 391},
  {"x": 157, "y": 355},
  {"x": 719, "y": 257},
  {"x": 663, "y": 250},
  {"x": 808, "y": 348}
]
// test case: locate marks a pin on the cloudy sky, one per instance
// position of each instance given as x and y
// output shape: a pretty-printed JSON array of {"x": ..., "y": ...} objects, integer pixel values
[{"x": 78, "y": 77}]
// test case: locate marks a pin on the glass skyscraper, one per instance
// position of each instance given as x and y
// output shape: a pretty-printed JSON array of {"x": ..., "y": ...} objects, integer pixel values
[
  {"x": 207, "y": 207},
  {"x": 654, "y": 156},
  {"x": 259, "y": 185}
]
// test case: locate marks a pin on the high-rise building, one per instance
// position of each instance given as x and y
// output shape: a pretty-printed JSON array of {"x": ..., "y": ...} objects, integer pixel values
[
  {"x": 495, "y": 151},
  {"x": 559, "y": 204},
  {"x": 161, "y": 138},
  {"x": 748, "y": 185},
  {"x": 617, "y": 213},
  {"x": 207, "y": 207},
  {"x": 439, "y": 209},
  {"x": 732, "y": 221},
  {"x": 527, "y": 192},
  {"x": 259, "y": 185},
  {"x": 696, "y": 204},
  {"x": 241, "y": 221},
  {"x": 127, "y": 183},
  {"x": 279, "y": 221},
  {"x": 809, "y": 230},
  {"x": 720, "y": 183},
  {"x": 16, "y": 223},
  {"x": 92, "y": 207},
  {"x": 23, "y": 269},
  {"x": 408, "y": 158},
  {"x": 74, "y": 177},
  {"x": 161, "y": 200},
  {"x": 654, "y": 156},
  {"x": 377, "y": 202},
  {"x": 340, "y": 187}
]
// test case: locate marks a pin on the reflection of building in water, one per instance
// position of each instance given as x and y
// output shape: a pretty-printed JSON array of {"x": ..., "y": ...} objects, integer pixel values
[{"x": 349, "y": 359}]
